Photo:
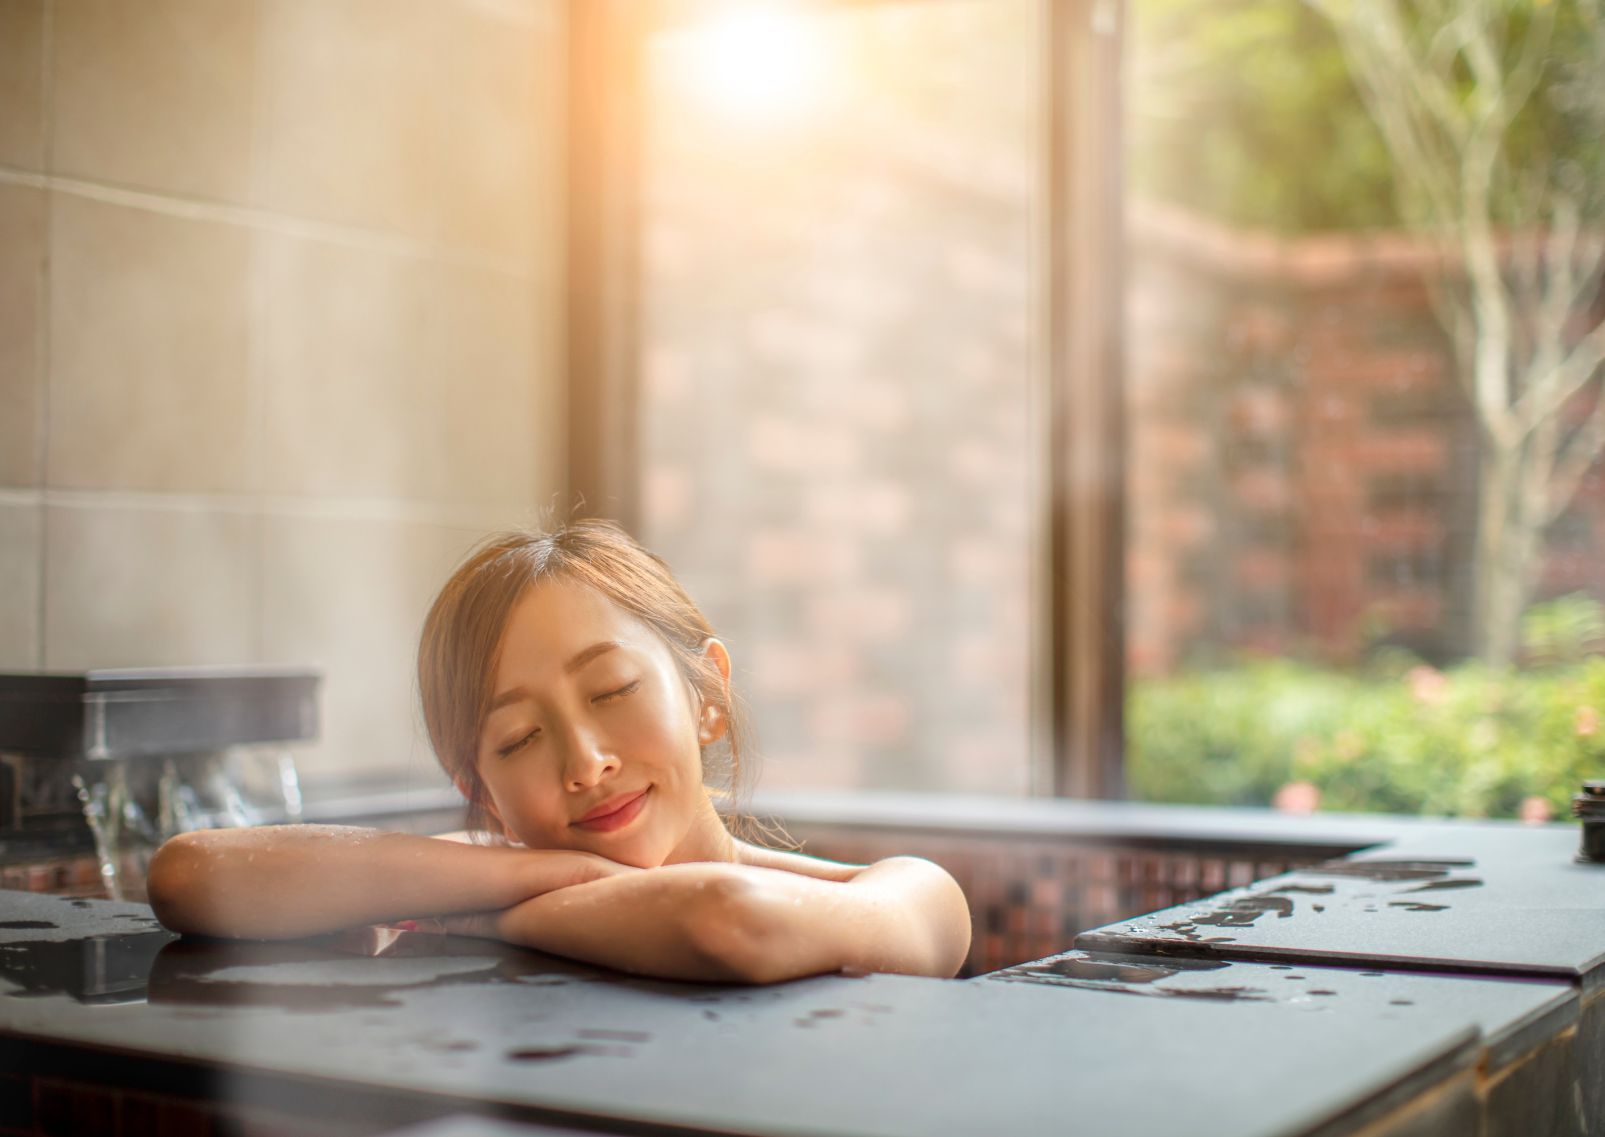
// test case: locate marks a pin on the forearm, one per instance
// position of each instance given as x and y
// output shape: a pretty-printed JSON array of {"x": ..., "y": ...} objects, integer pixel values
[
  {"x": 742, "y": 923},
  {"x": 710, "y": 922},
  {"x": 286, "y": 881}
]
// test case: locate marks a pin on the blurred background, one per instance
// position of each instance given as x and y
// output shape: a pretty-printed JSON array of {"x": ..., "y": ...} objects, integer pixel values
[{"x": 1190, "y": 401}]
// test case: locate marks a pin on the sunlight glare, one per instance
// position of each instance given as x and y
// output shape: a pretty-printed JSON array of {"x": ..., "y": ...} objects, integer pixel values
[{"x": 755, "y": 61}]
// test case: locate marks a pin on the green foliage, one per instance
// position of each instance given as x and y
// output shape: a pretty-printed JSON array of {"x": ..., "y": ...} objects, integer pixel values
[
  {"x": 1563, "y": 630},
  {"x": 1245, "y": 111},
  {"x": 1470, "y": 742}
]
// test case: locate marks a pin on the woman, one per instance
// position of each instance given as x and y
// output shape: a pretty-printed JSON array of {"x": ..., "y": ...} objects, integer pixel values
[{"x": 576, "y": 697}]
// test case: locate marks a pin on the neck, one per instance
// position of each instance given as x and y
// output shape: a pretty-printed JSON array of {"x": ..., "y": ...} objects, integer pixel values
[{"x": 706, "y": 840}]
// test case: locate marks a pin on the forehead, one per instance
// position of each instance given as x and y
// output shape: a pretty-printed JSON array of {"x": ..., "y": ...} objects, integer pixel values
[{"x": 556, "y": 618}]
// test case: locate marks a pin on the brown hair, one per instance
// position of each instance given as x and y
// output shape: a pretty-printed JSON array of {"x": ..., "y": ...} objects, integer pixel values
[{"x": 462, "y": 635}]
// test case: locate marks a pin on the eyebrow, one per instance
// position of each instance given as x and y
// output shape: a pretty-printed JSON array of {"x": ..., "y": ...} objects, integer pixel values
[{"x": 513, "y": 694}]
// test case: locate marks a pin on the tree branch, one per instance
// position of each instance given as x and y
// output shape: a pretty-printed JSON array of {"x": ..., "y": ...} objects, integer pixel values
[{"x": 1574, "y": 459}]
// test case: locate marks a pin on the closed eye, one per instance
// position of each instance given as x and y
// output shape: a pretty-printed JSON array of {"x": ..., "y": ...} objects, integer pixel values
[
  {"x": 609, "y": 696},
  {"x": 513, "y": 747}
]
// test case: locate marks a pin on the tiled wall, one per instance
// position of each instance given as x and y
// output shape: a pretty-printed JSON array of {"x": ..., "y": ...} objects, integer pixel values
[{"x": 277, "y": 314}]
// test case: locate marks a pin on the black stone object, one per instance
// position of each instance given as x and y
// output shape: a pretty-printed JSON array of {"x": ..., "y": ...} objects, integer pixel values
[
  {"x": 1589, "y": 807},
  {"x": 155, "y": 712}
]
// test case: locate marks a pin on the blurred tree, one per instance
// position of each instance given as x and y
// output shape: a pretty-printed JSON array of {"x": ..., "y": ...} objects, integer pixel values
[
  {"x": 1477, "y": 123},
  {"x": 1492, "y": 111}
]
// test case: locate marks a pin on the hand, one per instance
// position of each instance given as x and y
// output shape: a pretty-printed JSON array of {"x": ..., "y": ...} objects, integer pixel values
[
  {"x": 554, "y": 870},
  {"x": 549, "y": 870}
]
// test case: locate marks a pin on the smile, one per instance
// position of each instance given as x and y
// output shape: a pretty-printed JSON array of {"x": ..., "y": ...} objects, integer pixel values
[{"x": 615, "y": 813}]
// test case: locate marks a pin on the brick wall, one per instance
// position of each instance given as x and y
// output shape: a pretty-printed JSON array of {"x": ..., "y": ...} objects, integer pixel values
[{"x": 1302, "y": 464}]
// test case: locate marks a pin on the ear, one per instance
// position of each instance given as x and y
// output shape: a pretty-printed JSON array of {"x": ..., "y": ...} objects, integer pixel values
[
  {"x": 712, "y": 722},
  {"x": 720, "y": 655}
]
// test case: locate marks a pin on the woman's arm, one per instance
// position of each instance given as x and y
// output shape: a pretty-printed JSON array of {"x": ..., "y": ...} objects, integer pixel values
[
  {"x": 743, "y": 923},
  {"x": 279, "y": 882}
]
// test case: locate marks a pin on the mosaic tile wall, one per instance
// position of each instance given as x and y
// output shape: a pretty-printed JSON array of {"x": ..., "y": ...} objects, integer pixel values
[{"x": 1029, "y": 896}]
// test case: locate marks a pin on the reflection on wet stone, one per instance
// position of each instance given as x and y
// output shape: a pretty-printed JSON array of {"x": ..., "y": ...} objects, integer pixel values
[
  {"x": 98, "y": 969},
  {"x": 1242, "y": 911},
  {"x": 1391, "y": 870}
]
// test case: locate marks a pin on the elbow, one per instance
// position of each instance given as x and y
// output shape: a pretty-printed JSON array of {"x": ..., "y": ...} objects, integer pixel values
[
  {"x": 934, "y": 935},
  {"x": 730, "y": 932},
  {"x": 173, "y": 882}
]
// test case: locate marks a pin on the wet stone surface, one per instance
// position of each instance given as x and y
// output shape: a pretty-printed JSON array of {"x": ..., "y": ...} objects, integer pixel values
[
  {"x": 1489, "y": 900},
  {"x": 1504, "y": 1010},
  {"x": 475, "y": 1021}
]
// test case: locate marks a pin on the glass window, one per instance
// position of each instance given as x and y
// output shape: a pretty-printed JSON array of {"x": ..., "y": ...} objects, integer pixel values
[
  {"x": 1367, "y": 511},
  {"x": 837, "y": 449}
]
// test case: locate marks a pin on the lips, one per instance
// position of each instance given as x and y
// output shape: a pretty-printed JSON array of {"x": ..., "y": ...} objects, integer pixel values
[{"x": 614, "y": 813}]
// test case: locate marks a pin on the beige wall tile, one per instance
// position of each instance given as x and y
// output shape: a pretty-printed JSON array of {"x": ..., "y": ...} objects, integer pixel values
[
  {"x": 503, "y": 114},
  {"x": 502, "y": 417},
  {"x": 148, "y": 351},
  {"x": 349, "y": 111},
  {"x": 156, "y": 94},
  {"x": 22, "y": 257},
  {"x": 149, "y": 587},
  {"x": 351, "y": 387},
  {"x": 20, "y": 534},
  {"x": 349, "y": 597},
  {"x": 21, "y": 57}
]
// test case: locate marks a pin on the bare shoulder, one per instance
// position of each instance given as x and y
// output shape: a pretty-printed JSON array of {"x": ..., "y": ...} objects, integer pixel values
[
  {"x": 786, "y": 860},
  {"x": 476, "y": 837}
]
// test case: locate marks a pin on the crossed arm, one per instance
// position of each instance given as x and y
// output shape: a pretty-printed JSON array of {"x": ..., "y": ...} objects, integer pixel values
[
  {"x": 780, "y": 917},
  {"x": 747, "y": 923}
]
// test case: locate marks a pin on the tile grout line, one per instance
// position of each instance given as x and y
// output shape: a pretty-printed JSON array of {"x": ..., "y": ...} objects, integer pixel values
[
  {"x": 264, "y": 220},
  {"x": 451, "y": 514}
]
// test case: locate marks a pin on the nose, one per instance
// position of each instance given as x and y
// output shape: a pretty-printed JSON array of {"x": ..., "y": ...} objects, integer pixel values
[{"x": 587, "y": 760}]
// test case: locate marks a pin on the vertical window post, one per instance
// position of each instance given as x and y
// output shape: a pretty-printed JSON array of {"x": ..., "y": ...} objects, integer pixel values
[
  {"x": 1082, "y": 330},
  {"x": 601, "y": 273}
]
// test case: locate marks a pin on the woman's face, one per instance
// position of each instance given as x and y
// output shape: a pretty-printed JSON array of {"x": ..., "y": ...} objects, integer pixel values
[{"x": 592, "y": 739}]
